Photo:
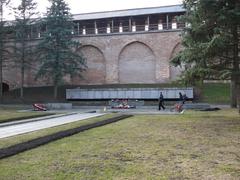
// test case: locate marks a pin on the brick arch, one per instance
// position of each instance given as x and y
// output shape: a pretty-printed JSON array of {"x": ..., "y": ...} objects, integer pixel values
[
  {"x": 137, "y": 63},
  {"x": 96, "y": 65},
  {"x": 176, "y": 49},
  {"x": 5, "y": 87},
  {"x": 175, "y": 71},
  {"x": 8, "y": 85}
]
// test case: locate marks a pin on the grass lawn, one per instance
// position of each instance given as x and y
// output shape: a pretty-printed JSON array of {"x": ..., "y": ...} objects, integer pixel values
[
  {"x": 12, "y": 115},
  {"x": 216, "y": 93},
  {"x": 196, "y": 145}
]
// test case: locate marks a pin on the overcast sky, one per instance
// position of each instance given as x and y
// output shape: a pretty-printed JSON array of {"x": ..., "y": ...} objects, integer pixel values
[{"x": 85, "y": 6}]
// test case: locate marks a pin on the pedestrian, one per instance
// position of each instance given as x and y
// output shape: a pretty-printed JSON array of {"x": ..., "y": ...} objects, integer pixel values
[
  {"x": 180, "y": 96},
  {"x": 161, "y": 102},
  {"x": 179, "y": 105},
  {"x": 184, "y": 98}
]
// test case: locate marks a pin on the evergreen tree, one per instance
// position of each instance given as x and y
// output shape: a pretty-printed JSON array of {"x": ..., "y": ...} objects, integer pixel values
[
  {"x": 57, "y": 50},
  {"x": 3, "y": 49},
  {"x": 212, "y": 42},
  {"x": 24, "y": 15}
]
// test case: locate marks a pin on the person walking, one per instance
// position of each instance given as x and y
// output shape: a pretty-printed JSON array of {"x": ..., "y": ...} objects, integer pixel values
[
  {"x": 161, "y": 102},
  {"x": 180, "y": 97},
  {"x": 179, "y": 105},
  {"x": 184, "y": 98}
]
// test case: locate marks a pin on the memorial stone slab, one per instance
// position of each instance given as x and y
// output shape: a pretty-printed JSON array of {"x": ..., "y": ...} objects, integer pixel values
[
  {"x": 127, "y": 93},
  {"x": 98, "y": 94}
]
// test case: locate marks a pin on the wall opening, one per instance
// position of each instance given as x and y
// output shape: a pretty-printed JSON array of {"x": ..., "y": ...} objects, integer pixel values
[
  {"x": 5, "y": 87},
  {"x": 175, "y": 72},
  {"x": 96, "y": 68},
  {"x": 137, "y": 64}
]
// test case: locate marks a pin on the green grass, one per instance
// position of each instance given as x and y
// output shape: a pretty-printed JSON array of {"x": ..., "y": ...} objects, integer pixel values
[
  {"x": 196, "y": 145},
  {"x": 13, "y": 115},
  {"x": 217, "y": 93}
]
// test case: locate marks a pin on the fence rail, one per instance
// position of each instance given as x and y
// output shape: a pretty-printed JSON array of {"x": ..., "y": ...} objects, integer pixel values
[{"x": 80, "y": 31}]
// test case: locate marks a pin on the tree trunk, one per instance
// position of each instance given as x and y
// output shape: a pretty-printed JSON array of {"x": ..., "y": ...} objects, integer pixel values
[
  {"x": 22, "y": 83},
  {"x": 23, "y": 50},
  {"x": 55, "y": 91},
  {"x": 236, "y": 70},
  {"x": 22, "y": 73},
  {"x": 1, "y": 78},
  {"x": 238, "y": 98},
  {"x": 1, "y": 58},
  {"x": 233, "y": 93}
]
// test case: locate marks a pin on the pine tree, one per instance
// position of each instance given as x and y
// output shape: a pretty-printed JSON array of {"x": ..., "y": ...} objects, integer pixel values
[
  {"x": 212, "y": 40},
  {"x": 57, "y": 50},
  {"x": 25, "y": 15},
  {"x": 3, "y": 50}
]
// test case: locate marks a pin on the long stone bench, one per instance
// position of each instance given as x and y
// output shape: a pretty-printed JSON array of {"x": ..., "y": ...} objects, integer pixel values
[{"x": 127, "y": 93}]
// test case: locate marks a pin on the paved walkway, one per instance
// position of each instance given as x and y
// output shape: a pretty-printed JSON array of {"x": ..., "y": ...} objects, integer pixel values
[
  {"x": 12, "y": 130},
  {"x": 16, "y": 128}
]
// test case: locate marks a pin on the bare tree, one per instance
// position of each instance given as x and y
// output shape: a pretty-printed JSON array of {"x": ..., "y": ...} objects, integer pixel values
[{"x": 3, "y": 50}]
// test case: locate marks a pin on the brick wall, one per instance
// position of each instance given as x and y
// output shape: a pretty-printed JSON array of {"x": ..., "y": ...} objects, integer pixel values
[{"x": 117, "y": 58}]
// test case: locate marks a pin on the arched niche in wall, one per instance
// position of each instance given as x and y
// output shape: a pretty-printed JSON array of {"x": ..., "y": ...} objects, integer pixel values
[
  {"x": 175, "y": 71},
  {"x": 96, "y": 68},
  {"x": 137, "y": 64},
  {"x": 5, "y": 87}
]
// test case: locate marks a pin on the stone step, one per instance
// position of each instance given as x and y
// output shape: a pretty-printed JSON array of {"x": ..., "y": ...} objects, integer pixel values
[{"x": 196, "y": 106}]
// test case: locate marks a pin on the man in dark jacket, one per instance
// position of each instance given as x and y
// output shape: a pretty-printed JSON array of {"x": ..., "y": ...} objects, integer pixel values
[
  {"x": 184, "y": 98},
  {"x": 161, "y": 102},
  {"x": 180, "y": 96}
]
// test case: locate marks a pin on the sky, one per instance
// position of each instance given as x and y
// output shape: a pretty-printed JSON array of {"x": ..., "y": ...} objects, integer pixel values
[{"x": 85, "y": 6}]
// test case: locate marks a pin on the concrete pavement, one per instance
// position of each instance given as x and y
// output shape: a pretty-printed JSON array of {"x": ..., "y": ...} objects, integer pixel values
[
  {"x": 12, "y": 130},
  {"x": 34, "y": 119}
]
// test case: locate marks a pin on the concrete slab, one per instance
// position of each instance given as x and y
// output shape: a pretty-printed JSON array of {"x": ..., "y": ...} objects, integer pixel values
[
  {"x": 196, "y": 106},
  {"x": 13, "y": 130},
  {"x": 127, "y": 93},
  {"x": 59, "y": 105},
  {"x": 144, "y": 111},
  {"x": 35, "y": 119}
]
